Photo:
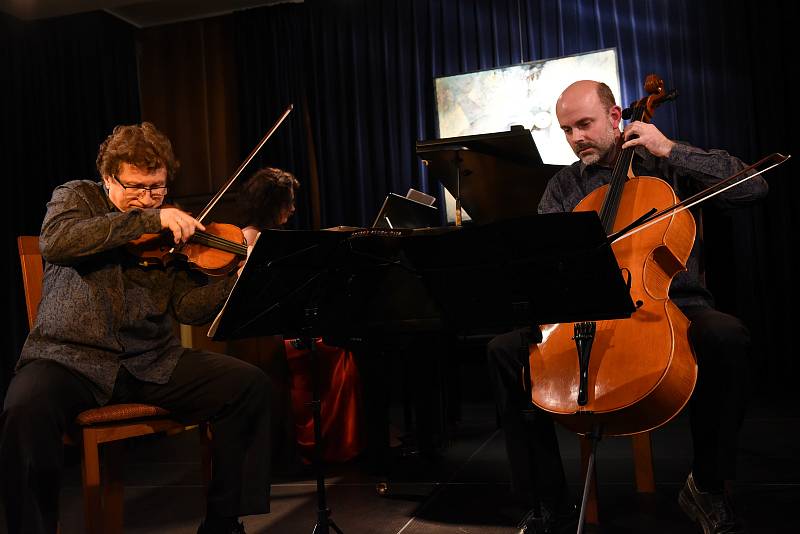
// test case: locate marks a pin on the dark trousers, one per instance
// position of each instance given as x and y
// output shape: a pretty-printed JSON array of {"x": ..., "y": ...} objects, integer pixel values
[
  {"x": 44, "y": 398},
  {"x": 721, "y": 344},
  {"x": 537, "y": 474}
]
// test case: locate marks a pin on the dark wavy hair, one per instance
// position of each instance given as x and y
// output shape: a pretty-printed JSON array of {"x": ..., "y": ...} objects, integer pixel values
[
  {"x": 140, "y": 145},
  {"x": 265, "y": 194}
]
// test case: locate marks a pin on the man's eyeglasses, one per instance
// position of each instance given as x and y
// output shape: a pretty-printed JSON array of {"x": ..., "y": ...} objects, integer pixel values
[{"x": 137, "y": 191}]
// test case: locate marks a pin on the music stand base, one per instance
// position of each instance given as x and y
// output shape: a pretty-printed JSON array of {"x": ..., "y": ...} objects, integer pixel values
[
  {"x": 594, "y": 436},
  {"x": 324, "y": 522}
]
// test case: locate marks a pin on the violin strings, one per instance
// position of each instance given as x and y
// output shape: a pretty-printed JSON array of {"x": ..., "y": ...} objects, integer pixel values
[
  {"x": 220, "y": 243},
  {"x": 228, "y": 246},
  {"x": 207, "y": 238}
]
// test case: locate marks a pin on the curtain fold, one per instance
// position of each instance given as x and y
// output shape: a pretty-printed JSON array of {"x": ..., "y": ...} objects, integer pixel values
[{"x": 270, "y": 60}]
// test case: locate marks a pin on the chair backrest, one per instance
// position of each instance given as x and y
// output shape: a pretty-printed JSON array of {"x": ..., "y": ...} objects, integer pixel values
[{"x": 32, "y": 273}]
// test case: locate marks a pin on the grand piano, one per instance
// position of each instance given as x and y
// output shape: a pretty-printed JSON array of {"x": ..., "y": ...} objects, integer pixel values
[{"x": 416, "y": 294}]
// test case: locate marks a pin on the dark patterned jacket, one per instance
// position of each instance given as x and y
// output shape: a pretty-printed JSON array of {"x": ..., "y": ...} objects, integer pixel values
[
  {"x": 688, "y": 170},
  {"x": 99, "y": 309}
]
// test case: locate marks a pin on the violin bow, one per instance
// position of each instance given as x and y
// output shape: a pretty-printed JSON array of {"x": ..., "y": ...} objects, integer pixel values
[{"x": 229, "y": 183}]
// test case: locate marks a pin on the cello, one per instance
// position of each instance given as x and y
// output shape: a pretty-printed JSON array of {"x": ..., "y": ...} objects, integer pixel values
[{"x": 631, "y": 375}]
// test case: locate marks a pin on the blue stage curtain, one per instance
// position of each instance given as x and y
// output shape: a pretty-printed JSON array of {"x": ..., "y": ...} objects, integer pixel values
[
  {"x": 368, "y": 66},
  {"x": 271, "y": 47},
  {"x": 361, "y": 73}
]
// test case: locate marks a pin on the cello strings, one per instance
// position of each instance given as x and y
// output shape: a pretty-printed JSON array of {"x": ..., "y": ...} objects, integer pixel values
[{"x": 616, "y": 186}]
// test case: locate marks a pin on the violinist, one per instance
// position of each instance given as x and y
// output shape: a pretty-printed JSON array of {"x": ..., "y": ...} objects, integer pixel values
[
  {"x": 105, "y": 333},
  {"x": 590, "y": 120}
]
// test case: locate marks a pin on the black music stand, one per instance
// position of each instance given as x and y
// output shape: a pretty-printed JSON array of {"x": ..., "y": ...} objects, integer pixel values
[
  {"x": 493, "y": 176},
  {"x": 281, "y": 290},
  {"x": 283, "y": 274},
  {"x": 532, "y": 270},
  {"x": 491, "y": 278},
  {"x": 404, "y": 212}
]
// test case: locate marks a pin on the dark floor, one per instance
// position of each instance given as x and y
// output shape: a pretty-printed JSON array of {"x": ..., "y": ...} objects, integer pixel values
[{"x": 467, "y": 490}]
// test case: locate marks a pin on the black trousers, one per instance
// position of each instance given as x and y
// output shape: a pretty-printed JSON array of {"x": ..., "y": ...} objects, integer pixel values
[
  {"x": 44, "y": 398},
  {"x": 721, "y": 343},
  {"x": 537, "y": 474}
]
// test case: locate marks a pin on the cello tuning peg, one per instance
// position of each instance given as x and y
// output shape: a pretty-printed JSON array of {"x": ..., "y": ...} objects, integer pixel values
[{"x": 627, "y": 113}]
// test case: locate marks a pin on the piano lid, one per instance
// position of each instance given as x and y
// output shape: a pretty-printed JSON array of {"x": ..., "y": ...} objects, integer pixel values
[{"x": 497, "y": 176}]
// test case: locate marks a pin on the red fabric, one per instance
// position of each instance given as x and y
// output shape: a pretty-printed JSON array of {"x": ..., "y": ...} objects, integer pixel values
[{"x": 340, "y": 401}]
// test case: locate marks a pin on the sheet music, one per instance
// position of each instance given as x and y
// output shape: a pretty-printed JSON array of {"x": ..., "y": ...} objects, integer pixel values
[{"x": 421, "y": 197}]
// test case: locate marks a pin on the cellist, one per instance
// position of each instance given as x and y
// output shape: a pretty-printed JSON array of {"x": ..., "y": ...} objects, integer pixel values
[
  {"x": 105, "y": 333},
  {"x": 590, "y": 119}
]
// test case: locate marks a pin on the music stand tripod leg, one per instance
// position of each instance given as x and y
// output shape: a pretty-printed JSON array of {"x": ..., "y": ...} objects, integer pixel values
[
  {"x": 324, "y": 522},
  {"x": 594, "y": 437}
]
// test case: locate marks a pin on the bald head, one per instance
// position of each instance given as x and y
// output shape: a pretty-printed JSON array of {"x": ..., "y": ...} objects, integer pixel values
[
  {"x": 589, "y": 118},
  {"x": 586, "y": 92}
]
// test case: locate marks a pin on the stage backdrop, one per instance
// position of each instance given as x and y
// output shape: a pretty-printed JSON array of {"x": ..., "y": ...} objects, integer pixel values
[
  {"x": 367, "y": 68},
  {"x": 360, "y": 73}
]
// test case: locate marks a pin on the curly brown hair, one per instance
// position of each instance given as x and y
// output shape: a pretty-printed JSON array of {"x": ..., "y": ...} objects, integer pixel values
[
  {"x": 142, "y": 146},
  {"x": 265, "y": 194}
]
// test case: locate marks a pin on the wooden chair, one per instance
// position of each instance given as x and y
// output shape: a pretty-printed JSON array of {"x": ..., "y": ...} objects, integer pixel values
[
  {"x": 108, "y": 425},
  {"x": 643, "y": 471}
]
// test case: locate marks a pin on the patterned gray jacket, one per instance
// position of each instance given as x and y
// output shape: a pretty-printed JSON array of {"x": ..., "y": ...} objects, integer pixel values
[{"x": 99, "y": 309}]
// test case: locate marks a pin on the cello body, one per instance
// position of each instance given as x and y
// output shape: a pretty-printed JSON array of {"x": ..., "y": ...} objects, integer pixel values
[{"x": 642, "y": 370}]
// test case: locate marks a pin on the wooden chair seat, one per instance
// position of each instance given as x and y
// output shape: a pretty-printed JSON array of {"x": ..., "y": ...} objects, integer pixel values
[
  {"x": 118, "y": 412},
  {"x": 120, "y": 421}
]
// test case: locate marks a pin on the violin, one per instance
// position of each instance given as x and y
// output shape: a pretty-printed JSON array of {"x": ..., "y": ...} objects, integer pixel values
[{"x": 215, "y": 251}]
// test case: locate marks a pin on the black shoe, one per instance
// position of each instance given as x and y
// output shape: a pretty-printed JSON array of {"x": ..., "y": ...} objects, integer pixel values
[
  {"x": 711, "y": 511},
  {"x": 545, "y": 520},
  {"x": 223, "y": 526}
]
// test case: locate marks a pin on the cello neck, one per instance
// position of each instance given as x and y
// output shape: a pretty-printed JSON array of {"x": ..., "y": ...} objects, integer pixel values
[
  {"x": 641, "y": 110},
  {"x": 608, "y": 211}
]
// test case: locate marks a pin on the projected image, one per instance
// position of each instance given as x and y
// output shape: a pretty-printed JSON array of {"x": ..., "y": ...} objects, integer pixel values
[{"x": 493, "y": 100}]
